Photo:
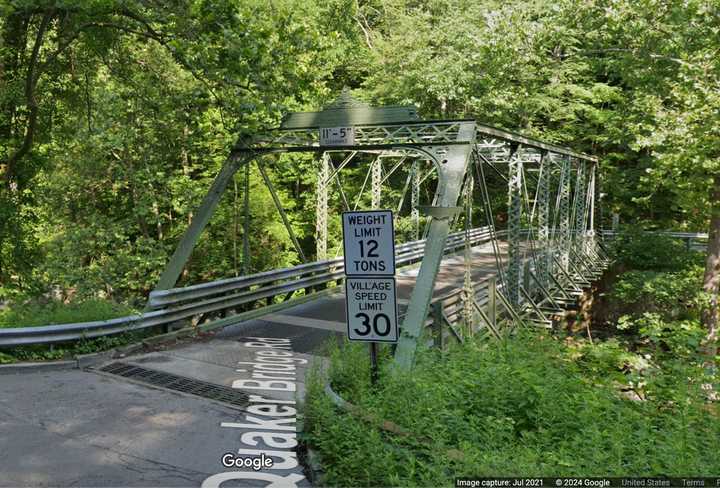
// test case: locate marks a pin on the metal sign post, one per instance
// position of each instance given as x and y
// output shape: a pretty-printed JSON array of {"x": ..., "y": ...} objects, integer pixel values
[{"x": 370, "y": 301}]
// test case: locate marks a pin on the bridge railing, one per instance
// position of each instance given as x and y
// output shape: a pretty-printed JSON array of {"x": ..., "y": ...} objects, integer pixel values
[
  {"x": 693, "y": 240},
  {"x": 232, "y": 292},
  {"x": 225, "y": 296}
]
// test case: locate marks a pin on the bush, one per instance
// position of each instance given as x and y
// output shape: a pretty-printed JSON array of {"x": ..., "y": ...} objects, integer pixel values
[
  {"x": 673, "y": 295},
  {"x": 33, "y": 313},
  {"x": 676, "y": 338},
  {"x": 523, "y": 406},
  {"x": 642, "y": 251}
]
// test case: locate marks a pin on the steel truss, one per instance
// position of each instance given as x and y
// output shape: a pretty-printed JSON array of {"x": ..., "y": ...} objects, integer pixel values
[{"x": 448, "y": 146}]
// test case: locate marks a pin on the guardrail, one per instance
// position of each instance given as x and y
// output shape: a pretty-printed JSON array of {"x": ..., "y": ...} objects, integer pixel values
[
  {"x": 691, "y": 238},
  {"x": 447, "y": 310},
  {"x": 223, "y": 296},
  {"x": 290, "y": 280}
]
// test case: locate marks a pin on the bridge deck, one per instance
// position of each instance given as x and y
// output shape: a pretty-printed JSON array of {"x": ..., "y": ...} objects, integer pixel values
[
  {"x": 103, "y": 430},
  {"x": 311, "y": 323}
]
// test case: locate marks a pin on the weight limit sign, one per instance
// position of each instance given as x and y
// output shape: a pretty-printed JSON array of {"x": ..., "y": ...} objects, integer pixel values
[
  {"x": 371, "y": 309},
  {"x": 369, "y": 243}
]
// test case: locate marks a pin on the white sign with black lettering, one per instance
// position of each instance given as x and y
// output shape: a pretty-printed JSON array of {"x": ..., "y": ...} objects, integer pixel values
[
  {"x": 369, "y": 243},
  {"x": 337, "y": 136},
  {"x": 371, "y": 309}
]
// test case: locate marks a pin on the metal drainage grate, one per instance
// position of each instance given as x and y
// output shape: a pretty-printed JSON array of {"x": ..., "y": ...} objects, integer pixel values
[{"x": 178, "y": 383}]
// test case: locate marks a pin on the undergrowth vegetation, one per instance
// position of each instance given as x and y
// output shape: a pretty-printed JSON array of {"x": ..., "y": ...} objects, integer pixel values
[
  {"x": 638, "y": 403},
  {"x": 33, "y": 313},
  {"x": 656, "y": 303},
  {"x": 528, "y": 405}
]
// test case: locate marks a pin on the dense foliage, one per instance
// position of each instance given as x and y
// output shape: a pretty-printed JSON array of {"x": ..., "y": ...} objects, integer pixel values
[
  {"x": 137, "y": 107},
  {"x": 655, "y": 304},
  {"x": 115, "y": 116},
  {"x": 525, "y": 406},
  {"x": 635, "y": 402}
]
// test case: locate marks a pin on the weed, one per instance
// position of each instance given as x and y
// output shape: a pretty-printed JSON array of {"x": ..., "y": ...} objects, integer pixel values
[{"x": 529, "y": 405}]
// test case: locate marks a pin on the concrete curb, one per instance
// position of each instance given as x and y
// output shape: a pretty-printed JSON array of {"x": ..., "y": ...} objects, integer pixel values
[
  {"x": 87, "y": 360},
  {"x": 313, "y": 465},
  {"x": 20, "y": 368}
]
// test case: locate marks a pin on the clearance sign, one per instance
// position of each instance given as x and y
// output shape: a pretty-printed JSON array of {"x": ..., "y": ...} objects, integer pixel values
[{"x": 369, "y": 249}]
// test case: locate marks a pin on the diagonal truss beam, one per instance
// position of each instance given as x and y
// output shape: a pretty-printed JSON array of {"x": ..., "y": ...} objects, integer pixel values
[
  {"x": 281, "y": 210},
  {"x": 451, "y": 162},
  {"x": 200, "y": 220}
]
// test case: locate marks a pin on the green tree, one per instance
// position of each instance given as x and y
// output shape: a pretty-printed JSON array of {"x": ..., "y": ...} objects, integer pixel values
[{"x": 664, "y": 54}]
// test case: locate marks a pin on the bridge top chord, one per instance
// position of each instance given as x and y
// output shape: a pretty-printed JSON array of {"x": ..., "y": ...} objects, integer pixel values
[{"x": 394, "y": 127}]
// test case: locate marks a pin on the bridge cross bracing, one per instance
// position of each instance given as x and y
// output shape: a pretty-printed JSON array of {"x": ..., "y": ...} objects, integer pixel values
[{"x": 551, "y": 250}]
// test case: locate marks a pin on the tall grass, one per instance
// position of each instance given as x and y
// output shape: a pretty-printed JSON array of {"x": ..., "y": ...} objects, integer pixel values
[{"x": 524, "y": 406}]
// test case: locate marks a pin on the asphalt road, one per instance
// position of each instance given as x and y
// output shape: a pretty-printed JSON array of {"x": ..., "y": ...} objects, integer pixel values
[{"x": 88, "y": 428}]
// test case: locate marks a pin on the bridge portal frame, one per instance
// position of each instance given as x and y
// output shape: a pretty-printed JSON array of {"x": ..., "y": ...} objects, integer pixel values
[{"x": 447, "y": 144}]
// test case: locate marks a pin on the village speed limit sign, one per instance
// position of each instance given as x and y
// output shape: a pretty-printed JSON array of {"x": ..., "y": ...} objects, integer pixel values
[
  {"x": 371, "y": 309},
  {"x": 369, "y": 243}
]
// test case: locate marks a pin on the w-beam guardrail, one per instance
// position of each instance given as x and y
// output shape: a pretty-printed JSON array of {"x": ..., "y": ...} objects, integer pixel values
[
  {"x": 693, "y": 240},
  {"x": 222, "y": 296}
]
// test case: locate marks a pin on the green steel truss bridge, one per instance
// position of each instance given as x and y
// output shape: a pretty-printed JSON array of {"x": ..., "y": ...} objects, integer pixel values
[{"x": 494, "y": 276}]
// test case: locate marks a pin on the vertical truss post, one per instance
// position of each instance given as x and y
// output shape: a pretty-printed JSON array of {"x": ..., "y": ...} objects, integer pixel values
[
  {"x": 590, "y": 241},
  {"x": 468, "y": 290},
  {"x": 580, "y": 209},
  {"x": 451, "y": 162},
  {"x": 564, "y": 191},
  {"x": 544, "y": 264},
  {"x": 246, "y": 222},
  {"x": 515, "y": 169},
  {"x": 415, "y": 197},
  {"x": 321, "y": 208},
  {"x": 376, "y": 183}
]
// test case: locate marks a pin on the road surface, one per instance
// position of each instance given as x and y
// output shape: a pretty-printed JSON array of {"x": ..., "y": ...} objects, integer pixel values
[{"x": 93, "y": 428}]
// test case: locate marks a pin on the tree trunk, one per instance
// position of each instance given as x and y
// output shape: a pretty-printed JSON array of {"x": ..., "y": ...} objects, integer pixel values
[
  {"x": 13, "y": 36},
  {"x": 31, "y": 104},
  {"x": 711, "y": 281}
]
